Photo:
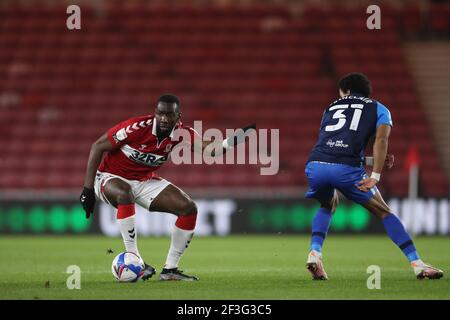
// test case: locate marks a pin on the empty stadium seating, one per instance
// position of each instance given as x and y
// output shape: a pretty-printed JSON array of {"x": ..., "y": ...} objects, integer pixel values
[{"x": 230, "y": 66}]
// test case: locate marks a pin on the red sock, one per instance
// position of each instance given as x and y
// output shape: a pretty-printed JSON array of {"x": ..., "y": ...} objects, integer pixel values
[
  {"x": 186, "y": 222},
  {"x": 125, "y": 211}
]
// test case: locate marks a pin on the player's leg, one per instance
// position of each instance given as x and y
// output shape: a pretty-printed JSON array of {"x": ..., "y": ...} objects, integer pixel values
[
  {"x": 321, "y": 221},
  {"x": 374, "y": 203},
  {"x": 396, "y": 231},
  {"x": 320, "y": 226},
  {"x": 174, "y": 200},
  {"x": 393, "y": 226},
  {"x": 321, "y": 190},
  {"x": 119, "y": 193}
]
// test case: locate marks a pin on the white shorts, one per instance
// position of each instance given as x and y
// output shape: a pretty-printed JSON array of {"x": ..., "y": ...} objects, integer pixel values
[{"x": 144, "y": 192}]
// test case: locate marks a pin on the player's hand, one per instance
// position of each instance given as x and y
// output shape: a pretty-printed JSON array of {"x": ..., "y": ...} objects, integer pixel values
[
  {"x": 389, "y": 161},
  {"x": 87, "y": 200},
  {"x": 366, "y": 184},
  {"x": 240, "y": 138}
]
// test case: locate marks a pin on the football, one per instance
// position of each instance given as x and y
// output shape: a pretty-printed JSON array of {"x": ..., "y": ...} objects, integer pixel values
[{"x": 127, "y": 267}]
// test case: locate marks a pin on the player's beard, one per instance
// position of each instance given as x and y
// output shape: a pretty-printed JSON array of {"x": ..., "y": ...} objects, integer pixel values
[{"x": 162, "y": 134}]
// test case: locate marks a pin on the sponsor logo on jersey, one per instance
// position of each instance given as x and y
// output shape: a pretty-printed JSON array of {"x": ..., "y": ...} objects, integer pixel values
[
  {"x": 337, "y": 144},
  {"x": 145, "y": 158},
  {"x": 120, "y": 135}
]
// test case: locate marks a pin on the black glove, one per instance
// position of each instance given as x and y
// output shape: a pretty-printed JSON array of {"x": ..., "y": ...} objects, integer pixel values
[
  {"x": 87, "y": 200},
  {"x": 252, "y": 126},
  {"x": 239, "y": 137}
]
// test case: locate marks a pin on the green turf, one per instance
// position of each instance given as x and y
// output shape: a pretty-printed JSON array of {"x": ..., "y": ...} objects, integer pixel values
[{"x": 237, "y": 267}]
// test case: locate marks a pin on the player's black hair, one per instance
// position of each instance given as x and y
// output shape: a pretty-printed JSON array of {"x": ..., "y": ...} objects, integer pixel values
[
  {"x": 169, "y": 98},
  {"x": 357, "y": 83}
]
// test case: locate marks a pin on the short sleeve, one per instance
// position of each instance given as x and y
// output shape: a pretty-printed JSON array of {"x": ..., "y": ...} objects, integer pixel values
[
  {"x": 126, "y": 131},
  {"x": 383, "y": 115}
]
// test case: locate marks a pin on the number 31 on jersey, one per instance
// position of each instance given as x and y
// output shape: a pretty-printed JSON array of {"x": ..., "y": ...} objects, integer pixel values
[{"x": 342, "y": 119}]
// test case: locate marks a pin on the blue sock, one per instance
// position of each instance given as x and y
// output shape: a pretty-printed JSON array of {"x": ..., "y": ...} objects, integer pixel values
[
  {"x": 401, "y": 238},
  {"x": 320, "y": 226}
]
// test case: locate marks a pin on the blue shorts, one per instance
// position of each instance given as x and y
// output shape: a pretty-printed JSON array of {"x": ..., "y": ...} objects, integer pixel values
[{"x": 324, "y": 178}]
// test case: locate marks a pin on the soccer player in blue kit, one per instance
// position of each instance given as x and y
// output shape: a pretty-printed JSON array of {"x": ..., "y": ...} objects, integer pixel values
[{"x": 336, "y": 162}]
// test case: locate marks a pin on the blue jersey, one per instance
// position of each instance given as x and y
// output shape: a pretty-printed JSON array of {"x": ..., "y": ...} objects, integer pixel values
[{"x": 346, "y": 128}]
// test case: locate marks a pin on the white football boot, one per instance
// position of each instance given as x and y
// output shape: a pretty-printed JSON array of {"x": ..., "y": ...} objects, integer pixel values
[
  {"x": 315, "y": 266},
  {"x": 425, "y": 271}
]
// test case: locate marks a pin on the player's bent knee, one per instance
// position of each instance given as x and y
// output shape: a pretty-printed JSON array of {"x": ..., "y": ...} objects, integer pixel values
[
  {"x": 378, "y": 208},
  {"x": 193, "y": 207},
  {"x": 383, "y": 214},
  {"x": 125, "y": 196},
  {"x": 380, "y": 214},
  {"x": 383, "y": 211},
  {"x": 188, "y": 208},
  {"x": 187, "y": 217}
]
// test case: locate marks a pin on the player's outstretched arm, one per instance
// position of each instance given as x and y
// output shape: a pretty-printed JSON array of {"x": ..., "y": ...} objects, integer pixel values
[
  {"x": 87, "y": 197},
  {"x": 217, "y": 148},
  {"x": 380, "y": 148}
]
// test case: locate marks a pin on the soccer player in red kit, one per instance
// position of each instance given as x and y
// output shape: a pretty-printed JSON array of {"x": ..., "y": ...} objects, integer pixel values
[{"x": 135, "y": 149}]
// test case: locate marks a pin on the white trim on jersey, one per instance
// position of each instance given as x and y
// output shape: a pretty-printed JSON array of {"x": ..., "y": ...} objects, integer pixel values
[{"x": 154, "y": 128}]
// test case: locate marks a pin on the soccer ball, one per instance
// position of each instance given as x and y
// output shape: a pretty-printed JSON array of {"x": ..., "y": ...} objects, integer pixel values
[{"x": 127, "y": 267}]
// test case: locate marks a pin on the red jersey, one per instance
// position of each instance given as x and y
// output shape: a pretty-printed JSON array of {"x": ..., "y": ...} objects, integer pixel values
[{"x": 138, "y": 152}]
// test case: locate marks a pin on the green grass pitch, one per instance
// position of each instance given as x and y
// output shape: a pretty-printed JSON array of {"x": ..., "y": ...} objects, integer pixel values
[{"x": 235, "y": 267}]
